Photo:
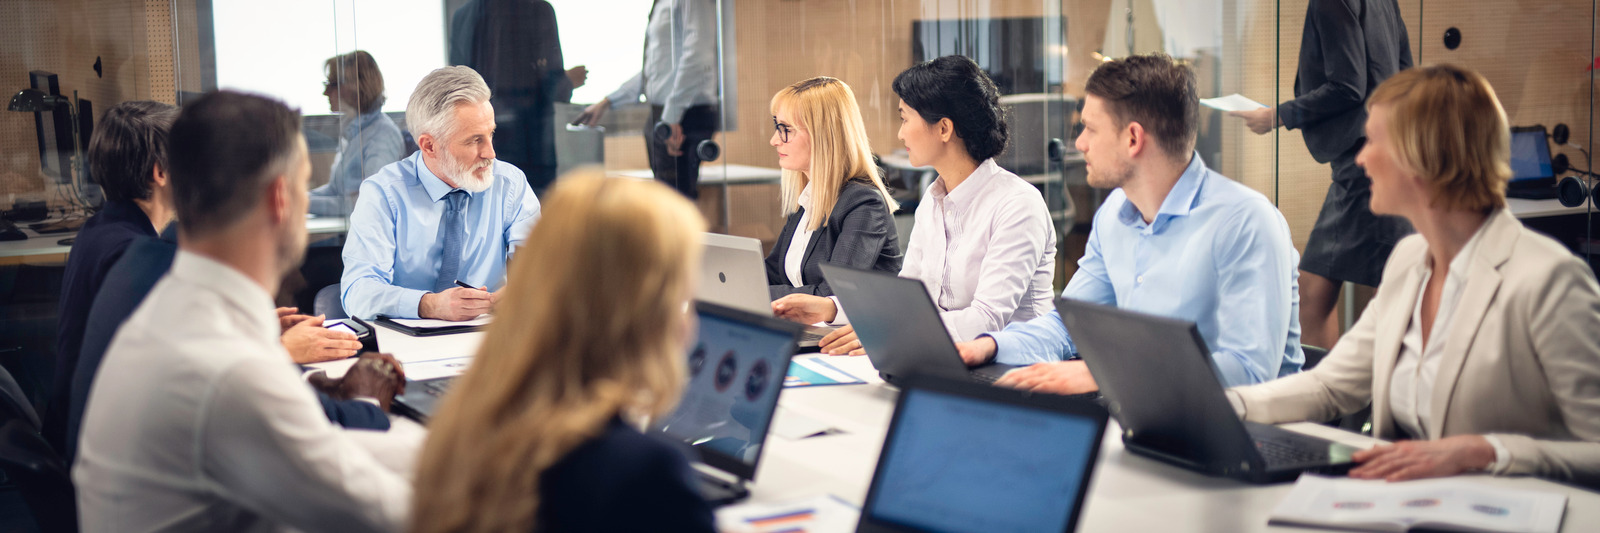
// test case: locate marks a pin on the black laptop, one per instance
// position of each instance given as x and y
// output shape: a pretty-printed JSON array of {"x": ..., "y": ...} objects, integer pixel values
[
  {"x": 899, "y": 326},
  {"x": 1157, "y": 376},
  {"x": 736, "y": 370},
  {"x": 962, "y": 456}
]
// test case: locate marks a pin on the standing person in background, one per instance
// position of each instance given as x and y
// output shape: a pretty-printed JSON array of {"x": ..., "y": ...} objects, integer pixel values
[
  {"x": 1349, "y": 47},
  {"x": 516, "y": 46},
  {"x": 679, "y": 80}
]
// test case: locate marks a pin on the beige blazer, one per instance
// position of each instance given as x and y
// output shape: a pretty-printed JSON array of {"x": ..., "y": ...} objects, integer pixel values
[{"x": 1522, "y": 360}]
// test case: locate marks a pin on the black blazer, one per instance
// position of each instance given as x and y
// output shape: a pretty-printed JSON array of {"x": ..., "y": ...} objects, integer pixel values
[
  {"x": 1349, "y": 47},
  {"x": 622, "y": 481},
  {"x": 99, "y": 244},
  {"x": 860, "y": 233}
]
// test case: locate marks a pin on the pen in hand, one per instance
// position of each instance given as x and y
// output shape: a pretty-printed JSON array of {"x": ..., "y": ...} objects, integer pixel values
[{"x": 464, "y": 285}]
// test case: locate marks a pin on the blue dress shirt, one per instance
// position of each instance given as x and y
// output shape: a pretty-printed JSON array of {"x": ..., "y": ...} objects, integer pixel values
[
  {"x": 367, "y": 143},
  {"x": 1217, "y": 254},
  {"x": 392, "y": 256}
]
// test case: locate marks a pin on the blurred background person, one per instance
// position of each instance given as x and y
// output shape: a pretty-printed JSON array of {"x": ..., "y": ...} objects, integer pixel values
[{"x": 516, "y": 46}]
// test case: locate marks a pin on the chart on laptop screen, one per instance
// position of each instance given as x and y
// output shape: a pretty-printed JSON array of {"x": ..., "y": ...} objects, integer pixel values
[
  {"x": 735, "y": 371},
  {"x": 957, "y": 464}
]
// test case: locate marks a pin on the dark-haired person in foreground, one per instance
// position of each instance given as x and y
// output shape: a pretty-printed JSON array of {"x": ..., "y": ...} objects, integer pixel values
[
  {"x": 199, "y": 420},
  {"x": 1174, "y": 239},
  {"x": 983, "y": 243}
]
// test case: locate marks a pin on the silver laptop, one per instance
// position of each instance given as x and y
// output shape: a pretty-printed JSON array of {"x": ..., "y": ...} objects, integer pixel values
[{"x": 733, "y": 274}]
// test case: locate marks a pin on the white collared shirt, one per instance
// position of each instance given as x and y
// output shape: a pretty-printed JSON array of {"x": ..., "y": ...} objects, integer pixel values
[
  {"x": 795, "y": 260},
  {"x": 198, "y": 421},
  {"x": 1417, "y": 369},
  {"x": 985, "y": 251}
]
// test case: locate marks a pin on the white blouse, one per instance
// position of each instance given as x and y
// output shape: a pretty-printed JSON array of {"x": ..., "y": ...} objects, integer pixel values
[{"x": 795, "y": 260}]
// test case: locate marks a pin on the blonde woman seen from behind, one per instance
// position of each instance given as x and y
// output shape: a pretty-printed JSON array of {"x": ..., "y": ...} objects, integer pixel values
[{"x": 588, "y": 338}]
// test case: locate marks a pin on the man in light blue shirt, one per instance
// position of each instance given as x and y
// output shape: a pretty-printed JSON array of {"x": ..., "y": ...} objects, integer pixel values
[
  {"x": 1175, "y": 239},
  {"x": 679, "y": 80},
  {"x": 448, "y": 213}
]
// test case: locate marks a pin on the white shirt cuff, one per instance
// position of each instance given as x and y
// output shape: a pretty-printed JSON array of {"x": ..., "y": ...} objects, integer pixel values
[
  {"x": 838, "y": 313},
  {"x": 1237, "y": 402},
  {"x": 1502, "y": 457},
  {"x": 368, "y": 399}
]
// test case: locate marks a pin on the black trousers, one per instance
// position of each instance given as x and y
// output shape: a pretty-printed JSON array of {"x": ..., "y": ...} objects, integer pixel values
[{"x": 700, "y": 123}]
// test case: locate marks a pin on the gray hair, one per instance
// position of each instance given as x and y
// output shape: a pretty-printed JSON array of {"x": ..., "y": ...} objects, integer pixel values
[{"x": 430, "y": 111}]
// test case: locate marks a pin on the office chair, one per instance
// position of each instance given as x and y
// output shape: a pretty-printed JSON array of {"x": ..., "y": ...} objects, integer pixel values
[
  {"x": 43, "y": 478},
  {"x": 14, "y": 405},
  {"x": 1314, "y": 355},
  {"x": 1357, "y": 422},
  {"x": 327, "y": 303}
]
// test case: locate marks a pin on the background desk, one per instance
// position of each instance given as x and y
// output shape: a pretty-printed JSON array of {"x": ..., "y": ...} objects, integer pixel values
[
  {"x": 46, "y": 248},
  {"x": 1129, "y": 492}
]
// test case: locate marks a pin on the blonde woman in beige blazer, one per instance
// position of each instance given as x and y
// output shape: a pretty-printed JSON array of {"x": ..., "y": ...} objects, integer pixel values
[{"x": 1491, "y": 363}]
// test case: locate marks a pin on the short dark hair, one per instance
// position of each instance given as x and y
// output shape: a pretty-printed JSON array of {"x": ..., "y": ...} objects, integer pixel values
[
  {"x": 226, "y": 147},
  {"x": 954, "y": 87},
  {"x": 1154, "y": 91},
  {"x": 130, "y": 142}
]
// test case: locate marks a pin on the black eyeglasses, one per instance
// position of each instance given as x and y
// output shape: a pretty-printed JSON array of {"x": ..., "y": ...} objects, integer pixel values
[
  {"x": 329, "y": 84},
  {"x": 783, "y": 130}
]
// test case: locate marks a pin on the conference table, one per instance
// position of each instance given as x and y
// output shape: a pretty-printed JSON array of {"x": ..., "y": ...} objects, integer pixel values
[{"x": 1128, "y": 493}]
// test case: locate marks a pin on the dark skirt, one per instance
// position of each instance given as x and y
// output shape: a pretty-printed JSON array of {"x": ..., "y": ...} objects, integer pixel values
[{"x": 1348, "y": 242}]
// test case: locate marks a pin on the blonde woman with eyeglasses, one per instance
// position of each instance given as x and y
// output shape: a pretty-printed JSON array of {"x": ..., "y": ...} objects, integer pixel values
[
  {"x": 589, "y": 337},
  {"x": 838, "y": 209}
]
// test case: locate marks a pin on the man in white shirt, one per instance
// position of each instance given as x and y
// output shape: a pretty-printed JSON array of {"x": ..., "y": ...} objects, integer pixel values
[
  {"x": 679, "y": 80},
  {"x": 198, "y": 420}
]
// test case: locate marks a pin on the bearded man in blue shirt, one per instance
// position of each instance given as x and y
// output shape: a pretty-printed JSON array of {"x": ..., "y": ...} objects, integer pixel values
[
  {"x": 1174, "y": 239},
  {"x": 450, "y": 212}
]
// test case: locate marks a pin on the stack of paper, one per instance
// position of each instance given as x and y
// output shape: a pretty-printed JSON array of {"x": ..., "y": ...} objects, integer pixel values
[
  {"x": 820, "y": 514},
  {"x": 814, "y": 371},
  {"x": 1444, "y": 504}
]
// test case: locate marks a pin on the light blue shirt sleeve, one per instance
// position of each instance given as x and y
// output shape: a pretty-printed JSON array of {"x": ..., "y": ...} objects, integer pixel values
[
  {"x": 696, "y": 61},
  {"x": 1254, "y": 255},
  {"x": 1045, "y": 338},
  {"x": 525, "y": 211},
  {"x": 368, "y": 284},
  {"x": 629, "y": 92}
]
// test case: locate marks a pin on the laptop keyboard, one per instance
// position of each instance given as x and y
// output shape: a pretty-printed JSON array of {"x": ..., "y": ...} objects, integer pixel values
[
  {"x": 811, "y": 337},
  {"x": 983, "y": 378},
  {"x": 1287, "y": 453}
]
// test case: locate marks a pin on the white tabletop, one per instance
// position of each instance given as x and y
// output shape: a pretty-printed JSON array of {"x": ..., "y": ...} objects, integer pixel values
[
  {"x": 1129, "y": 492},
  {"x": 37, "y": 244},
  {"x": 1524, "y": 208},
  {"x": 715, "y": 173}
]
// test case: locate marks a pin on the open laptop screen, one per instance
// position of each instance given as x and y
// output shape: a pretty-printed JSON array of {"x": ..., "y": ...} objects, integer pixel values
[
  {"x": 959, "y": 463},
  {"x": 1530, "y": 154},
  {"x": 736, "y": 369}
]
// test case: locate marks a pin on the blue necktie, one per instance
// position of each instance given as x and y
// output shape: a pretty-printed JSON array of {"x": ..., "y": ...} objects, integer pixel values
[{"x": 452, "y": 228}]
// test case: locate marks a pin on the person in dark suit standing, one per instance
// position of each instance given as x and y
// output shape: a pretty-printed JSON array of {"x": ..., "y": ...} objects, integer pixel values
[
  {"x": 516, "y": 46},
  {"x": 1349, "y": 47},
  {"x": 540, "y": 433},
  {"x": 839, "y": 210}
]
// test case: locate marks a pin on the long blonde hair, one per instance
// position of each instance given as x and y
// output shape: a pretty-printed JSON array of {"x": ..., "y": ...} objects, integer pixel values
[
  {"x": 826, "y": 108},
  {"x": 592, "y": 325}
]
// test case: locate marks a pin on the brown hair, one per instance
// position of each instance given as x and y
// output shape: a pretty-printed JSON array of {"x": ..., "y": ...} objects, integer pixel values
[
  {"x": 565, "y": 355},
  {"x": 826, "y": 109},
  {"x": 1447, "y": 126},
  {"x": 1154, "y": 91},
  {"x": 357, "y": 69}
]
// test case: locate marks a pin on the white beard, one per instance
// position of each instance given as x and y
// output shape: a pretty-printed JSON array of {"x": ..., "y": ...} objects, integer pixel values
[{"x": 471, "y": 177}]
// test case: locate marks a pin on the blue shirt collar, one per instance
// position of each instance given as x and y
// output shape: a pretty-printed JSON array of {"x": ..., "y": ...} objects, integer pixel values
[
  {"x": 1179, "y": 201},
  {"x": 436, "y": 187}
]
